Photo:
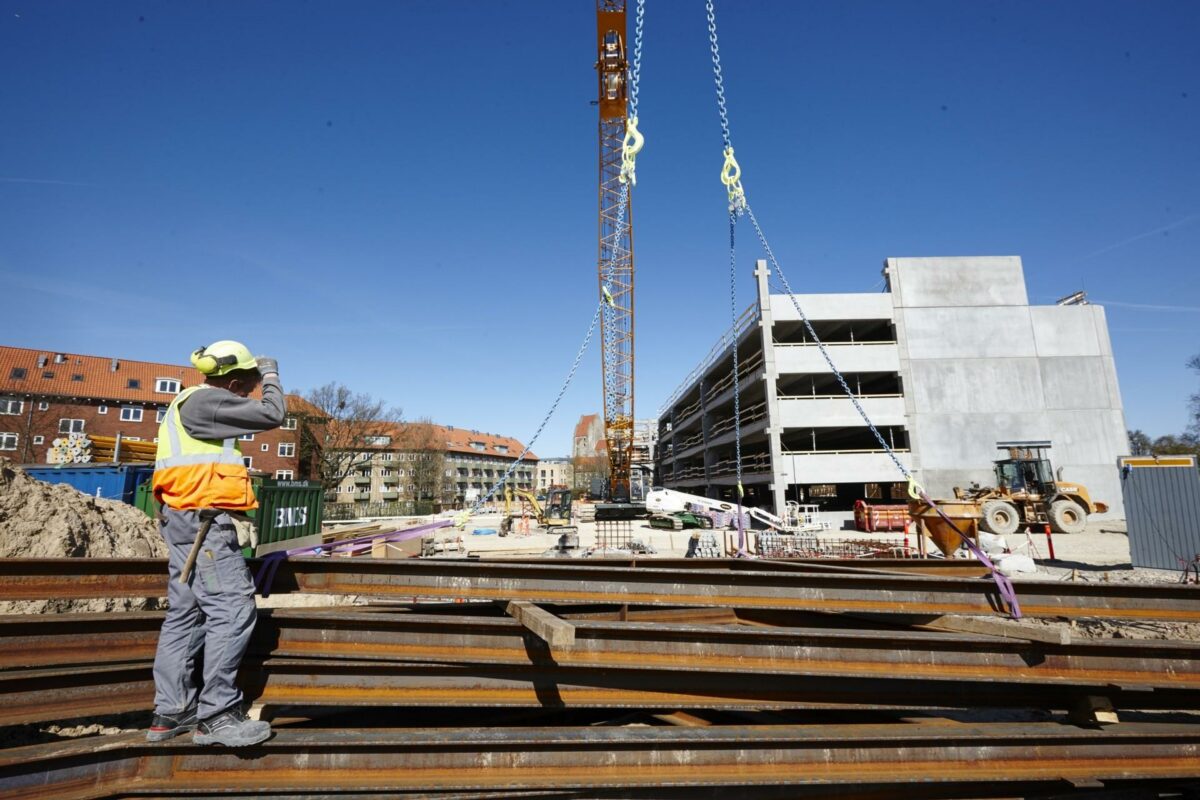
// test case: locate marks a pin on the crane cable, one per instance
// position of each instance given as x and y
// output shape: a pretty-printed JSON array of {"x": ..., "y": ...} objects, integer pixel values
[
  {"x": 606, "y": 302},
  {"x": 739, "y": 205},
  {"x": 461, "y": 519}
]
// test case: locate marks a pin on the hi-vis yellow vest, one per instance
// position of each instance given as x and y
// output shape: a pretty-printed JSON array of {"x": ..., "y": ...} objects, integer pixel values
[{"x": 194, "y": 473}]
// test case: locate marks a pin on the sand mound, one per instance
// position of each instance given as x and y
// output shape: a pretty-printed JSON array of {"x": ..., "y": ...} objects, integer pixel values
[{"x": 40, "y": 520}]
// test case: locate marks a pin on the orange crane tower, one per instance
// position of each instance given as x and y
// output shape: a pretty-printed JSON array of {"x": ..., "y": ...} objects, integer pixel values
[{"x": 616, "y": 248}]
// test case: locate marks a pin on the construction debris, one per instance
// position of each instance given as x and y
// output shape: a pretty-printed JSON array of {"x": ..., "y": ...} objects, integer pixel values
[{"x": 41, "y": 520}]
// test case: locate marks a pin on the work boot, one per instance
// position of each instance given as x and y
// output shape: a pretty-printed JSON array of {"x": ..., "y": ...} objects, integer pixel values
[
  {"x": 167, "y": 726},
  {"x": 232, "y": 728}
]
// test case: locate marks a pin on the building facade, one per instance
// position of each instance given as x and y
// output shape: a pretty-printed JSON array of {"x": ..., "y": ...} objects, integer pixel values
[
  {"x": 453, "y": 467},
  {"x": 45, "y": 395},
  {"x": 948, "y": 361},
  {"x": 553, "y": 473}
]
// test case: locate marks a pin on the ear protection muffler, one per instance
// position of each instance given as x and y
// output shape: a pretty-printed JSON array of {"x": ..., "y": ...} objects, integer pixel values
[{"x": 209, "y": 364}]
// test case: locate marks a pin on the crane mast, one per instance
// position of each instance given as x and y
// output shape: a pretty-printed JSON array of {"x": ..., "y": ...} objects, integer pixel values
[{"x": 616, "y": 249}]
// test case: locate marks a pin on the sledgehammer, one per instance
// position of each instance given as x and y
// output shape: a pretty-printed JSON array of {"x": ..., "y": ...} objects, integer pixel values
[{"x": 207, "y": 515}]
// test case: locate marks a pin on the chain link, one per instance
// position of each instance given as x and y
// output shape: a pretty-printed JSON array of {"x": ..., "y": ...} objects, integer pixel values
[
  {"x": 635, "y": 74},
  {"x": 554, "y": 407},
  {"x": 737, "y": 377},
  {"x": 717, "y": 76},
  {"x": 743, "y": 206},
  {"x": 821, "y": 346}
]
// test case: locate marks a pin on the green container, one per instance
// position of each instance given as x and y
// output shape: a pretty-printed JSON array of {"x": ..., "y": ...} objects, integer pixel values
[{"x": 288, "y": 511}]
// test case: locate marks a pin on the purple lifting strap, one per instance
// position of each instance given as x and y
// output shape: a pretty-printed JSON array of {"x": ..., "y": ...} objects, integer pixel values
[
  {"x": 1007, "y": 592},
  {"x": 270, "y": 562}
]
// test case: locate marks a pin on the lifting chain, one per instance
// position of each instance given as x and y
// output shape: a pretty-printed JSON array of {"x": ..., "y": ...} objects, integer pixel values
[{"x": 739, "y": 205}]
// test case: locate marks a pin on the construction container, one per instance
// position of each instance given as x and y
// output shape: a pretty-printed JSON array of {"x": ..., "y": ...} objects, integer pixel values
[
  {"x": 869, "y": 518},
  {"x": 287, "y": 511},
  {"x": 110, "y": 481}
]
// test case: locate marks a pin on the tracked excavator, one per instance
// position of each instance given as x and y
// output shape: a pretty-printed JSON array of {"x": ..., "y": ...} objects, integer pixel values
[{"x": 555, "y": 516}]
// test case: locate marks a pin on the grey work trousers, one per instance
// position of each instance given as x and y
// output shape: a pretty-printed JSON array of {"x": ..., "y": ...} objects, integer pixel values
[{"x": 214, "y": 612}]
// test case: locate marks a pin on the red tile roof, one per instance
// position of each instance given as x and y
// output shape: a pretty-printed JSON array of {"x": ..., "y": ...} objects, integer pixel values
[
  {"x": 451, "y": 439},
  {"x": 103, "y": 378},
  {"x": 585, "y": 422},
  {"x": 298, "y": 405},
  {"x": 47, "y": 372}
]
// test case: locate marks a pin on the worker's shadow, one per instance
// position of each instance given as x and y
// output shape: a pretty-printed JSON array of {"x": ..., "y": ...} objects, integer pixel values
[
  {"x": 541, "y": 660},
  {"x": 1059, "y": 563}
]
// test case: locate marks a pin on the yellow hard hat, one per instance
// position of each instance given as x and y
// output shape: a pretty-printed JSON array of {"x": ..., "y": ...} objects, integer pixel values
[{"x": 223, "y": 357}]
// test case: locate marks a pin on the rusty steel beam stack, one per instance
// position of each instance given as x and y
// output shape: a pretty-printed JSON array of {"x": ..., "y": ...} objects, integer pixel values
[{"x": 642, "y": 679}]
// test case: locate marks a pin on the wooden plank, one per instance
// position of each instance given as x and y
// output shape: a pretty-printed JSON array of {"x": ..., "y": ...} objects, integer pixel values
[
  {"x": 1006, "y": 629},
  {"x": 555, "y": 631}
]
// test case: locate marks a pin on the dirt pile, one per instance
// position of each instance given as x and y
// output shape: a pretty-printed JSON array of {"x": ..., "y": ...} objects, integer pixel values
[{"x": 40, "y": 520}]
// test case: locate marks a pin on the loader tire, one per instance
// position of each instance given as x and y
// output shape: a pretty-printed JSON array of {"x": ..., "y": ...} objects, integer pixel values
[
  {"x": 1000, "y": 517},
  {"x": 1067, "y": 516}
]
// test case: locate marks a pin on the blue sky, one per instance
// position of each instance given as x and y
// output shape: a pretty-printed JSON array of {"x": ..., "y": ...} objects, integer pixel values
[{"x": 401, "y": 196}]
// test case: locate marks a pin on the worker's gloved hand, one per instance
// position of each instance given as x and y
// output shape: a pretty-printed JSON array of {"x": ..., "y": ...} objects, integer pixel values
[{"x": 266, "y": 366}]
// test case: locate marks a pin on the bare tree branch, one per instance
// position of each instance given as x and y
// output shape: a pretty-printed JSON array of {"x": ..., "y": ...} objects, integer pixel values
[{"x": 346, "y": 442}]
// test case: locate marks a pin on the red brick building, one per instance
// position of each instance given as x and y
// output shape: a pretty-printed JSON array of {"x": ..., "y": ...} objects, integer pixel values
[{"x": 46, "y": 394}]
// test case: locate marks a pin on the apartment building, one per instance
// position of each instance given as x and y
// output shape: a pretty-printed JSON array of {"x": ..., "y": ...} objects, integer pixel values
[
  {"x": 948, "y": 360},
  {"x": 452, "y": 466},
  {"x": 46, "y": 394},
  {"x": 554, "y": 472}
]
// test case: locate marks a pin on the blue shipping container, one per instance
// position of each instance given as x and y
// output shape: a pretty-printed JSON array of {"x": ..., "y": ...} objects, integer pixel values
[{"x": 111, "y": 481}]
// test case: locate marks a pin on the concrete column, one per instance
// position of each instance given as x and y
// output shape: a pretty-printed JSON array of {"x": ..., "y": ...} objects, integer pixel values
[
  {"x": 779, "y": 481},
  {"x": 892, "y": 275}
]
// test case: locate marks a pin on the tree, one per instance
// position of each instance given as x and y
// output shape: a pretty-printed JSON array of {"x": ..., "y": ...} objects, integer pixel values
[
  {"x": 349, "y": 438},
  {"x": 1194, "y": 401},
  {"x": 421, "y": 439},
  {"x": 1171, "y": 445},
  {"x": 1139, "y": 443}
]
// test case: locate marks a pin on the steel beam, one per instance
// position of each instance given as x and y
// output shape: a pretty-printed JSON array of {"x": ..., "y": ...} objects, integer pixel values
[
  {"x": 554, "y": 582},
  {"x": 349, "y": 634},
  {"x": 885, "y": 758}
]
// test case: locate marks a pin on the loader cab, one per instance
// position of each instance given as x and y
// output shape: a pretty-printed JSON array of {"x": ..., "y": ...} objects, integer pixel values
[
  {"x": 1029, "y": 475},
  {"x": 558, "y": 504}
]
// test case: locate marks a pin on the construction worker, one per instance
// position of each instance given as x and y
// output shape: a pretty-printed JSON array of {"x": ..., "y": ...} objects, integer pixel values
[{"x": 204, "y": 490}]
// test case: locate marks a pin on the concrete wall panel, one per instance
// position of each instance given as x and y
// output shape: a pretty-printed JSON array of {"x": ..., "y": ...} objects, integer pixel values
[
  {"x": 832, "y": 306},
  {"x": 968, "y": 441},
  {"x": 1065, "y": 331},
  {"x": 1075, "y": 383},
  {"x": 995, "y": 332},
  {"x": 975, "y": 385},
  {"x": 847, "y": 468},
  {"x": 1100, "y": 320},
  {"x": 958, "y": 281}
]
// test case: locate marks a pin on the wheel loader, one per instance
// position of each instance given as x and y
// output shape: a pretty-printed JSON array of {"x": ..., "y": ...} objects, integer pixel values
[{"x": 1028, "y": 493}]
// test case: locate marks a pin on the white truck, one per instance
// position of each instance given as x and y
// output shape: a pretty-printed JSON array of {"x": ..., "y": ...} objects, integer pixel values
[{"x": 798, "y": 518}]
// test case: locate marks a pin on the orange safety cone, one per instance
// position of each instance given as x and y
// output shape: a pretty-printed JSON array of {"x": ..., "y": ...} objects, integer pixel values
[
  {"x": 907, "y": 551},
  {"x": 1049, "y": 543}
]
